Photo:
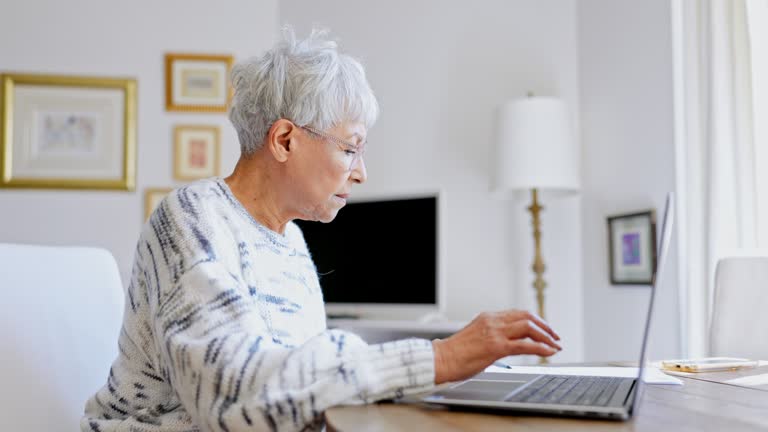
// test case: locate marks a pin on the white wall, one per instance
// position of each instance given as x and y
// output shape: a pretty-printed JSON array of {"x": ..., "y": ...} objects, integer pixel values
[
  {"x": 625, "y": 77},
  {"x": 440, "y": 69},
  {"x": 111, "y": 38}
]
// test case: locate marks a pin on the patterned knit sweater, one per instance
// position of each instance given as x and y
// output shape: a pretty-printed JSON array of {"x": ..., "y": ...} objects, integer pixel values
[{"x": 224, "y": 330}]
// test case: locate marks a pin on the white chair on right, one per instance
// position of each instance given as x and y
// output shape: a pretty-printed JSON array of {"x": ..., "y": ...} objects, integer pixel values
[{"x": 739, "y": 324}]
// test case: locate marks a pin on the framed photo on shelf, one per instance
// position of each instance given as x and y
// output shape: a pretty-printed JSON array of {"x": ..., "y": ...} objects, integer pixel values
[
  {"x": 152, "y": 199},
  {"x": 197, "y": 82},
  {"x": 67, "y": 132},
  {"x": 196, "y": 152},
  {"x": 632, "y": 248}
]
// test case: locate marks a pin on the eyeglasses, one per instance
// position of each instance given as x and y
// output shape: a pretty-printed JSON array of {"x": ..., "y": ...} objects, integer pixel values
[{"x": 353, "y": 152}]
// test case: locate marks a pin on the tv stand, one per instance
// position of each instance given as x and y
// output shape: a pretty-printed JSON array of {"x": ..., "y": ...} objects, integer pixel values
[
  {"x": 377, "y": 331},
  {"x": 434, "y": 317}
]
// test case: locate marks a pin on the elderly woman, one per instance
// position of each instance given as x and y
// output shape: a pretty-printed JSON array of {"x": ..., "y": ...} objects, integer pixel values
[{"x": 224, "y": 326}]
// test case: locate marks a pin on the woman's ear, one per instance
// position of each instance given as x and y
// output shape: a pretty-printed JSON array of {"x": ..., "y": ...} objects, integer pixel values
[{"x": 280, "y": 139}]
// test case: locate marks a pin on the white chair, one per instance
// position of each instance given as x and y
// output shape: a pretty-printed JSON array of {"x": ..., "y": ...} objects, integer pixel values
[
  {"x": 60, "y": 317},
  {"x": 740, "y": 308}
]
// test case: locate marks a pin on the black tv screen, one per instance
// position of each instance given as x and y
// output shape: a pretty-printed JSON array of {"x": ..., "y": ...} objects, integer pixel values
[{"x": 377, "y": 252}]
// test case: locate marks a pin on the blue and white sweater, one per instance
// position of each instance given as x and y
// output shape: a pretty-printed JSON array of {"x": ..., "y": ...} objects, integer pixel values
[{"x": 224, "y": 330}]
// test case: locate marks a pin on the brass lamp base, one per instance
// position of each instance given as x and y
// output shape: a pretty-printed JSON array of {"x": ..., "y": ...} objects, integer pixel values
[{"x": 538, "y": 262}]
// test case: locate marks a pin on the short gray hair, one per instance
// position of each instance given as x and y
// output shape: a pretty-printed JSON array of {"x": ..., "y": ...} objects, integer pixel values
[{"x": 308, "y": 82}]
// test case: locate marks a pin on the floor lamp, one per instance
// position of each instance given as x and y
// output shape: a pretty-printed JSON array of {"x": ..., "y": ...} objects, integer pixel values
[{"x": 537, "y": 155}]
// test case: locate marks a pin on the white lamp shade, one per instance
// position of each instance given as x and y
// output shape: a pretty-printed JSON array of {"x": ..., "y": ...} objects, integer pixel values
[{"x": 536, "y": 147}]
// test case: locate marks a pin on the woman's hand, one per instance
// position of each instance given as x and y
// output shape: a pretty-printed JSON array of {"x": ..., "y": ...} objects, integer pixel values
[{"x": 488, "y": 338}]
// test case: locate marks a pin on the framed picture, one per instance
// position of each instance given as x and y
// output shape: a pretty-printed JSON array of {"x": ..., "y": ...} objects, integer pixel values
[
  {"x": 632, "y": 248},
  {"x": 196, "y": 152},
  {"x": 152, "y": 198},
  {"x": 196, "y": 82},
  {"x": 67, "y": 132}
]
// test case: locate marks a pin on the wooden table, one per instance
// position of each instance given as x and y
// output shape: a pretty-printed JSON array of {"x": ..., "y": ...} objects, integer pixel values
[{"x": 703, "y": 403}]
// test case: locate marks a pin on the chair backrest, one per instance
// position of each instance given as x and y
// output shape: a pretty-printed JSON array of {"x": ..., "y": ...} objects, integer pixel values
[
  {"x": 740, "y": 308},
  {"x": 60, "y": 316}
]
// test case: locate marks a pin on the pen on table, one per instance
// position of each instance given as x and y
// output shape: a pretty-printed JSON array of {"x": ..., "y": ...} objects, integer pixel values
[{"x": 502, "y": 365}]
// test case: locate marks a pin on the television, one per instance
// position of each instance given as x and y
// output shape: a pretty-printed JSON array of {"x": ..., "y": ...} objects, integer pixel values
[{"x": 380, "y": 258}]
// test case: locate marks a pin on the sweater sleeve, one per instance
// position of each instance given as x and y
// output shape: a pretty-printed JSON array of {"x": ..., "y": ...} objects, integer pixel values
[{"x": 231, "y": 376}]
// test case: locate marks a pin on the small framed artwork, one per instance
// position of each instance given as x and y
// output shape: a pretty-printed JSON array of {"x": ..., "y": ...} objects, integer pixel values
[
  {"x": 197, "y": 82},
  {"x": 632, "y": 248},
  {"x": 67, "y": 132},
  {"x": 196, "y": 152},
  {"x": 152, "y": 199}
]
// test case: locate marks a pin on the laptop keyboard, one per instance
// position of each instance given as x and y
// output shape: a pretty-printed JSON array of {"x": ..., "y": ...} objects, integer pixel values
[{"x": 569, "y": 390}]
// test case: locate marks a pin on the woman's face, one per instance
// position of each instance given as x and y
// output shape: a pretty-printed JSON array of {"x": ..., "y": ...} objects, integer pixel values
[{"x": 330, "y": 162}]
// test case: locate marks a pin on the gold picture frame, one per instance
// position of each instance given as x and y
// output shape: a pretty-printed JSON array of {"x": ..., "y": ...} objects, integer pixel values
[
  {"x": 197, "y": 82},
  {"x": 197, "y": 152},
  {"x": 152, "y": 198},
  {"x": 67, "y": 132}
]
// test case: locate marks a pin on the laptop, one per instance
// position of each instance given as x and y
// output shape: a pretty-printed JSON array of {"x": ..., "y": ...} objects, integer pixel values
[{"x": 573, "y": 396}]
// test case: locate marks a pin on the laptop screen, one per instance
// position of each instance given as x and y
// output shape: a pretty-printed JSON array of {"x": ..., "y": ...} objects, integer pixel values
[{"x": 666, "y": 234}]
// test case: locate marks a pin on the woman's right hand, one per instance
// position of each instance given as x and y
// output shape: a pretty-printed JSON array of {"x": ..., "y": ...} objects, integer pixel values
[{"x": 489, "y": 337}]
